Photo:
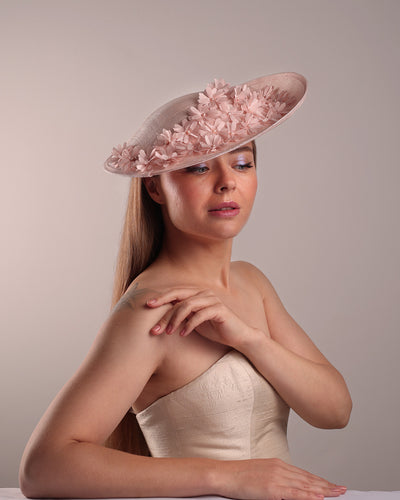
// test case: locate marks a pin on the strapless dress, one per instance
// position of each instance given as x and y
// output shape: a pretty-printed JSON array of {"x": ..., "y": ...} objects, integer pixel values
[{"x": 229, "y": 412}]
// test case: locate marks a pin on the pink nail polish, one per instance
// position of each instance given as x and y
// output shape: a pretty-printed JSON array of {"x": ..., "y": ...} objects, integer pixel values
[
  {"x": 156, "y": 328},
  {"x": 183, "y": 332}
]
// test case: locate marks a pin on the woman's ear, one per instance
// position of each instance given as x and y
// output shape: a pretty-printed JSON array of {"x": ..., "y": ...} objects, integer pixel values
[{"x": 153, "y": 187}]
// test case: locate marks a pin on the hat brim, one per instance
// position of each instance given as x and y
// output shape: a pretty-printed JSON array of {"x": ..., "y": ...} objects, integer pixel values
[{"x": 175, "y": 111}]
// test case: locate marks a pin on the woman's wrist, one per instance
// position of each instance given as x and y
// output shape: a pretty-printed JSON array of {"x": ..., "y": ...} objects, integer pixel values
[
  {"x": 254, "y": 340},
  {"x": 218, "y": 476}
]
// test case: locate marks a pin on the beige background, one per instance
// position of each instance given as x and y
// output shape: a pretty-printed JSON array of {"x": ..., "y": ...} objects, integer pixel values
[{"x": 78, "y": 77}]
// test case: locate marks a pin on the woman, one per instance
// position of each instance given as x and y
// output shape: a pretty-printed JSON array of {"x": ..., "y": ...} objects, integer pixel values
[{"x": 199, "y": 347}]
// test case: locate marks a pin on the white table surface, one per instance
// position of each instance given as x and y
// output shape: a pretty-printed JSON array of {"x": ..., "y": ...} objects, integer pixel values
[{"x": 15, "y": 494}]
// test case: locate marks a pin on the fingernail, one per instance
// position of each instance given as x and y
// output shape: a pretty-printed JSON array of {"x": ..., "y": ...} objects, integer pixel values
[
  {"x": 339, "y": 491},
  {"x": 183, "y": 332},
  {"x": 151, "y": 301},
  {"x": 156, "y": 328},
  {"x": 169, "y": 329}
]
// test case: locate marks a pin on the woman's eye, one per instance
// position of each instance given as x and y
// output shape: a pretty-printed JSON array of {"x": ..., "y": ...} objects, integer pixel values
[
  {"x": 243, "y": 166},
  {"x": 197, "y": 169}
]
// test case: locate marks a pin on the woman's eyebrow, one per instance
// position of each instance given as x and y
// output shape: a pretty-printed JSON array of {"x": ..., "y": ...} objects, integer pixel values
[{"x": 243, "y": 148}]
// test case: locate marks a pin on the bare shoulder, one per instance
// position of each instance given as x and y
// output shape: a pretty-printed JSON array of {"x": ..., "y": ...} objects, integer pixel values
[
  {"x": 131, "y": 319},
  {"x": 133, "y": 301},
  {"x": 255, "y": 276},
  {"x": 282, "y": 326},
  {"x": 274, "y": 308},
  {"x": 246, "y": 267}
]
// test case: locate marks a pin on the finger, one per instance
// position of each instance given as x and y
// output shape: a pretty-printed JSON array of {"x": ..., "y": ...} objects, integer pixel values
[
  {"x": 336, "y": 493},
  {"x": 161, "y": 325},
  {"x": 300, "y": 480},
  {"x": 311, "y": 477},
  {"x": 304, "y": 491},
  {"x": 175, "y": 294},
  {"x": 206, "y": 314},
  {"x": 316, "y": 488},
  {"x": 321, "y": 486},
  {"x": 187, "y": 308},
  {"x": 306, "y": 481},
  {"x": 327, "y": 485},
  {"x": 169, "y": 322},
  {"x": 293, "y": 493}
]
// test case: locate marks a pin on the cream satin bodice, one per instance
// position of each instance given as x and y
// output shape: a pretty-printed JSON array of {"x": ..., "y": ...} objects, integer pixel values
[{"x": 229, "y": 412}]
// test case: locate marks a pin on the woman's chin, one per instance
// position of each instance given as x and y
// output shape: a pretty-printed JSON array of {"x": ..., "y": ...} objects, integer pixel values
[{"x": 223, "y": 234}]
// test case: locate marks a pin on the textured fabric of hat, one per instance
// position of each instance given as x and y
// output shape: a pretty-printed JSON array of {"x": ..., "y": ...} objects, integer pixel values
[{"x": 200, "y": 126}]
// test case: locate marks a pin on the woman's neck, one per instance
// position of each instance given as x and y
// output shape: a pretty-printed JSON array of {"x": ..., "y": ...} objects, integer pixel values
[{"x": 201, "y": 262}]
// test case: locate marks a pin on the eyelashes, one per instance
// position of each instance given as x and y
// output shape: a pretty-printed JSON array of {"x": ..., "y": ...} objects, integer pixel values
[
  {"x": 246, "y": 165},
  {"x": 196, "y": 169}
]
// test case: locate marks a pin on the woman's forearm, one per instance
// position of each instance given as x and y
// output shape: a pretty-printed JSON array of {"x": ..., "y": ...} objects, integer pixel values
[
  {"x": 316, "y": 391},
  {"x": 87, "y": 470}
]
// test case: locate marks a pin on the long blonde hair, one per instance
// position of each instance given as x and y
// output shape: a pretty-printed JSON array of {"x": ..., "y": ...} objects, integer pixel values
[
  {"x": 141, "y": 240},
  {"x": 140, "y": 244}
]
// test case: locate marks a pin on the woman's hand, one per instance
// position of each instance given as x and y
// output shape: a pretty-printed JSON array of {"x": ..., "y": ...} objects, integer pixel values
[
  {"x": 203, "y": 311},
  {"x": 271, "y": 479}
]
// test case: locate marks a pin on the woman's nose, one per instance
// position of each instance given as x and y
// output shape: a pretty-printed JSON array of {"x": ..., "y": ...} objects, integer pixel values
[{"x": 225, "y": 181}]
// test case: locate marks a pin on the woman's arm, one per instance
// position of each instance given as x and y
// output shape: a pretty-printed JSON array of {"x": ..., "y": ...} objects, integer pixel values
[
  {"x": 65, "y": 456},
  {"x": 287, "y": 357}
]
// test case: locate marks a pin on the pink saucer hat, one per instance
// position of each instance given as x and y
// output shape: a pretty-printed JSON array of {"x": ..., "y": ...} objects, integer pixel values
[{"x": 200, "y": 126}]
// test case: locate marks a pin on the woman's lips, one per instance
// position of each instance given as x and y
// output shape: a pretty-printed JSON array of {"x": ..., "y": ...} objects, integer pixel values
[
  {"x": 230, "y": 212},
  {"x": 225, "y": 209}
]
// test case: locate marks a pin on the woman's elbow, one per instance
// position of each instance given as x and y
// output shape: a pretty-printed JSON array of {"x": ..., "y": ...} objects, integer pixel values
[
  {"x": 27, "y": 486},
  {"x": 344, "y": 414},
  {"x": 32, "y": 474},
  {"x": 340, "y": 405},
  {"x": 27, "y": 482},
  {"x": 332, "y": 414},
  {"x": 339, "y": 415}
]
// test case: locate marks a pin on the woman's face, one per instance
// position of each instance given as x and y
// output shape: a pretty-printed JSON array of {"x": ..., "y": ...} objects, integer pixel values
[{"x": 211, "y": 199}]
